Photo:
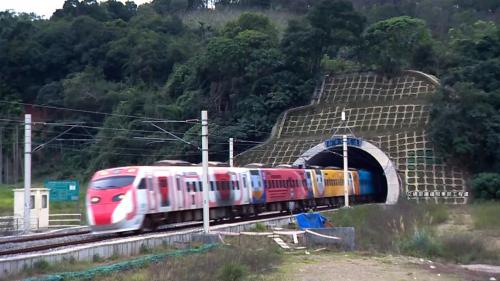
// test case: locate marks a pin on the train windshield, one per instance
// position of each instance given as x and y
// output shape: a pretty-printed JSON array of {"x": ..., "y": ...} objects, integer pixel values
[{"x": 112, "y": 182}]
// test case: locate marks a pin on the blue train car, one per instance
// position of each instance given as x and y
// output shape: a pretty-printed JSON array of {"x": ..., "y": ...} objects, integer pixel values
[{"x": 366, "y": 184}]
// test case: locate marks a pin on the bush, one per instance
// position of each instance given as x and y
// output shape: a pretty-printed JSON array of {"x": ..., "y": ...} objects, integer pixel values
[
  {"x": 486, "y": 186},
  {"x": 486, "y": 215},
  {"x": 231, "y": 272},
  {"x": 41, "y": 265},
  {"x": 465, "y": 248},
  {"x": 260, "y": 227},
  {"x": 245, "y": 255},
  {"x": 422, "y": 243},
  {"x": 378, "y": 227}
]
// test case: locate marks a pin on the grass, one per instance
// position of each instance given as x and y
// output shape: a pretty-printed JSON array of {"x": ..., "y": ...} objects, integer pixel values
[
  {"x": 42, "y": 267},
  {"x": 246, "y": 258},
  {"x": 486, "y": 215},
  {"x": 6, "y": 200},
  {"x": 410, "y": 228}
]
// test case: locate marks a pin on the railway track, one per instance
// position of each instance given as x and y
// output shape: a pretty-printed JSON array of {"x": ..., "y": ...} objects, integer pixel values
[
  {"x": 100, "y": 238},
  {"x": 42, "y": 236}
]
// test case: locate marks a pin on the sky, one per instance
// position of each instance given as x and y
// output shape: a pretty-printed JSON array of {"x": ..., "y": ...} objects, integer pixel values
[{"x": 43, "y": 8}]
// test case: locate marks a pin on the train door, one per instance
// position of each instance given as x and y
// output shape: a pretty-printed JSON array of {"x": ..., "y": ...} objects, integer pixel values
[
  {"x": 191, "y": 186},
  {"x": 164, "y": 190},
  {"x": 152, "y": 192},
  {"x": 258, "y": 191},
  {"x": 355, "y": 182},
  {"x": 142, "y": 196},
  {"x": 244, "y": 189},
  {"x": 319, "y": 183},
  {"x": 179, "y": 193},
  {"x": 309, "y": 183}
]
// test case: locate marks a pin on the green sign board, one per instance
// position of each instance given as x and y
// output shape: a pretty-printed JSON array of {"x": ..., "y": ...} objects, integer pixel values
[{"x": 65, "y": 190}]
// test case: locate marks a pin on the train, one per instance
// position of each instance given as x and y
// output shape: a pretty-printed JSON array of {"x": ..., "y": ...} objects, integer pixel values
[{"x": 138, "y": 198}]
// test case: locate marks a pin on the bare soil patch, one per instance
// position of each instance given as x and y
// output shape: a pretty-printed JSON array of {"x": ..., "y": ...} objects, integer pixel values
[{"x": 358, "y": 267}]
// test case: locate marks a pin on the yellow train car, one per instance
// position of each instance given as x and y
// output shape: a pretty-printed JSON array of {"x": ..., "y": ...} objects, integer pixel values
[{"x": 334, "y": 182}]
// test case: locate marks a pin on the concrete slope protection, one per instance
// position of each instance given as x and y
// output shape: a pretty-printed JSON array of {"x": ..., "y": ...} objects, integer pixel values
[{"x": 387, "y": 119}]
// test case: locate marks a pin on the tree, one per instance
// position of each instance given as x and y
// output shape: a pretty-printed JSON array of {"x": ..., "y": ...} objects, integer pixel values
[
  {"x": 391, "y": 44},
  {"x": 486, "y": 186},
  {"x": 466, "y": 127},
  {"x": 339, "y": 23},
  {"x": 335, "y": 24}
]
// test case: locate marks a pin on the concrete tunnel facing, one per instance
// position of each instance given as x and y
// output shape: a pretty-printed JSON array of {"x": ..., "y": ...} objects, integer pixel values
[{"x": 361, "y": 155}]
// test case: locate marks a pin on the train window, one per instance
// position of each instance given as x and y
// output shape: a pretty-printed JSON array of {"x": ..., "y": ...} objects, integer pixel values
[
  {"x": 231, "y": 185},
  {"x": 217, "y": 185},
  {"x": 178, "y": 181},
  {"x": 142, "y": 184},
  {"x": 212, "y": 186},
  {"x": 237, "y": 185},
  {"x": 244, "y": 182},
  {"x": 200, "y": 186},
  {"x": 150, "y": 183},
  {"x": 112, "y": 182},
  {"x": 188, "y": 186}
]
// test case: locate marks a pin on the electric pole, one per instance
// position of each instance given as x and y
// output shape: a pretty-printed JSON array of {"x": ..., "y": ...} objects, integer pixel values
[
  {"x": 344, "y": 148},
  {"x": 27, "y": 172},
  {"x": 204, "y": 173},
  {"x": 231, "y": 152}
]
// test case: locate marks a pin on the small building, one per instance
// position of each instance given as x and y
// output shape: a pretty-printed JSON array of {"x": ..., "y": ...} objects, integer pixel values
[{"x": 39, "y": 202}]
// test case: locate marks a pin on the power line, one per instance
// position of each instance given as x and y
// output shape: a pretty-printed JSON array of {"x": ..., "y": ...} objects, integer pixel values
[
  {"x": 79, "y": 110},
  {"x": 135, "y": 154}
]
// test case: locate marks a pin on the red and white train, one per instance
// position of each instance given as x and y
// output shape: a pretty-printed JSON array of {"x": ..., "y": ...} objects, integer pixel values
[{"x": 143, "y": 197}]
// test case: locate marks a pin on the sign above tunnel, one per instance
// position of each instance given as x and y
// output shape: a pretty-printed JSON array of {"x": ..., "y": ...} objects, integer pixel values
[{"x": 338, "y": 141}]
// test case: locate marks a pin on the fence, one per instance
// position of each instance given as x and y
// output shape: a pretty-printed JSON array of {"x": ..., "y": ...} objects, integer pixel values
[{"x": 64, "y": 220}]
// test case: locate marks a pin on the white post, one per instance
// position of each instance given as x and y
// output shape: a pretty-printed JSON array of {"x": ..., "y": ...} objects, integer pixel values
[
  {"x": 230, "y": 152},
  {"x": 204, "y": 156},
  {"x": 346, "y": 181},
  {"x": 27, "y": 171}
]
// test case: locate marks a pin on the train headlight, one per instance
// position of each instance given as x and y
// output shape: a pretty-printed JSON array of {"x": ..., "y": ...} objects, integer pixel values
[
  {"x": 95, "y": 200},
  {"x": 118, "y": 197}
]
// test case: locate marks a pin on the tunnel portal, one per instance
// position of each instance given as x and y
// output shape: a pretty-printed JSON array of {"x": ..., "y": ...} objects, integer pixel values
[{"x": 361, "y": 155}]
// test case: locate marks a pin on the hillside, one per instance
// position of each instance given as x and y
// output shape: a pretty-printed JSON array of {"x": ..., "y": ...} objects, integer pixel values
[{"x": 100, "y": 71}]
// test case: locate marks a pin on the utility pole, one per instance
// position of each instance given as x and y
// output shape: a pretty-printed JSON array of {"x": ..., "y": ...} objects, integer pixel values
[
  {"x": 204, "y": 173},
  {"x": 1, "y": 154},
  {"x": 231, "y": 152},
  {"x": 27, "y": 171},
  {"x": 344, "y": 148}
]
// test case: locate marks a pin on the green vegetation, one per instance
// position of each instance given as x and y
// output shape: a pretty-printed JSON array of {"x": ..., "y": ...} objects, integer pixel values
[
  {"x": 411, "y": 229},
  {"x": 245, "y": 258},
  {"x": 486, "y": 186},
  {"x": 6, "y": 200},
  {"x": 109, "y": 65},
  {"x": 486, "y": 215},
  {"x": 260, "y": 227}
]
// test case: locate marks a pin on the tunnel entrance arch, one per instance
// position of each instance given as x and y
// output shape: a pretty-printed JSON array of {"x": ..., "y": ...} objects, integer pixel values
[{"x": 362, "y": 154}]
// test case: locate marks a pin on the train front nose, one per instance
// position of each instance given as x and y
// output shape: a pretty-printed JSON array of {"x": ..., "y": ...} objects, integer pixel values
[
  {"x": 110, "y": 207},
  {"x": 110, "y": 202}
]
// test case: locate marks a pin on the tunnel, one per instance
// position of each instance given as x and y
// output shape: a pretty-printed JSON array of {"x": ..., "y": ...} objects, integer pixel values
[{"x": 361, "y": 155}]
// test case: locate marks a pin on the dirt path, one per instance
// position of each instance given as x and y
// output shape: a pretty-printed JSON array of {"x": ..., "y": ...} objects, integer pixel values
[{"x": 356, "y": 267}]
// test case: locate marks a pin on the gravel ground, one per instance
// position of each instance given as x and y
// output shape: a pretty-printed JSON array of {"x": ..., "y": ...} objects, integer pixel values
[{"x": 356, "y": 267}]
